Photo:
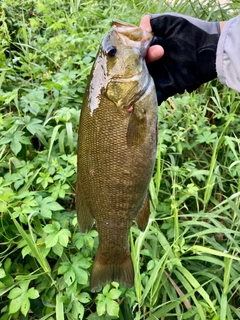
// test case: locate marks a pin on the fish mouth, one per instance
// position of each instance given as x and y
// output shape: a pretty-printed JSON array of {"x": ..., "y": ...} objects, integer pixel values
[{"x": 131, "y": 31}]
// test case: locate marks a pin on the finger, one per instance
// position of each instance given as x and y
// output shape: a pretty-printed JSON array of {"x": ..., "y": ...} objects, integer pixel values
[
  {"x": 145, "y": 23},
  {"x": 154, "y": 53}
]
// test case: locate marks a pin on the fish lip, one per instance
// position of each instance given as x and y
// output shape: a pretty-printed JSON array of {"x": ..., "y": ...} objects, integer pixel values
[{"x": 126, "y": 29}]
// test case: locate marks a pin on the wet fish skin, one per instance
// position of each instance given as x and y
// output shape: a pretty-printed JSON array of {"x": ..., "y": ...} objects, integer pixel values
[{"x": 116, "y": 150}]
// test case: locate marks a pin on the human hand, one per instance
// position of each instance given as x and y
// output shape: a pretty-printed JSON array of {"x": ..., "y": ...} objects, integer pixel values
[{"x": 183, "y": 52}]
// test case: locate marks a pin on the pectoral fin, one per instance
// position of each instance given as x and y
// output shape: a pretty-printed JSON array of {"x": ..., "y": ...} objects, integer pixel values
[
  {"x": 143, "y": 215},
  {"x": 137, "y": 127}
]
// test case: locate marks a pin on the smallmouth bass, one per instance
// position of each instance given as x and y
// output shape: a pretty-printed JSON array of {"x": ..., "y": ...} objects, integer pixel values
[{"x": 116, "y": 150}]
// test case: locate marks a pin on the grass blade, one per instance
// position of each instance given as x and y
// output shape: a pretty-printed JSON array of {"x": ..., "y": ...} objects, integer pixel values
[
  {"x": 34, "y": 250},
  {"x": 199, "y": 249},
  {"x": 59, "y": 307}
]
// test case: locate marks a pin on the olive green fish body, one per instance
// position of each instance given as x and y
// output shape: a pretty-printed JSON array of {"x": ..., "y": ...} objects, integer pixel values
[{"x": 116, "y": 150}]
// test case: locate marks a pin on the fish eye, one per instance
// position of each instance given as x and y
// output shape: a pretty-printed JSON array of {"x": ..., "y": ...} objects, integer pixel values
[{"x": 111, "y": 51}]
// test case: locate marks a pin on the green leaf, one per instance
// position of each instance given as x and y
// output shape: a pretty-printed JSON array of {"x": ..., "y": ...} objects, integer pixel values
[
  {"x": 81, "y": 275},
  {"x": 84, "y": 297},
  {"x": 207, "y": 137},
  {"x": 17, "y": 141},
  {"x": 25, "y": 306},
  {"x": 106, "y": 289},
  {"x": 6, "y": 139},
  {"x": 16, "y": 145},
  {"x": 63, "y": 237},
  {"x": 33, "y": 100},
  {"x": 69, "y": 276},
  {"x": 15, "y": 305},
  {"x": 34, "y": 126},
  {"x": 81, "y": 262},
  {"x": 53, "y": 206},
  {"x": 112, "y": 308},
  {"x": 58, "y": 249},
  {"x": 2, "y": 273},
  {"x": 7, "y": 265},
  {"x": 74, "y": 271},
  {"x": 52, "y": 228},
  {"x": 51, "y": 240},
  {"x": 19, "y": 298},
  {"x": 56, "y": 236},
  {"x": 33, "y": 293},
  {"x": 78, "y": 240},
  {"x": 48, "y": 205},
  {"x": 113, "y": 294},
  {"x": 63, "y": 268},
  {"x": 26, "y": 250},
  {"x": 101, "y": 307},
  {"x": 68, "y": 273},
  {"x": 77, "y": 310},
  {"x": 14, "y": 293}
]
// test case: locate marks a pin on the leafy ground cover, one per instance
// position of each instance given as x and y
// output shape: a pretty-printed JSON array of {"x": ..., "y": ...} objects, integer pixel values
[{"x": 187, "y": 262}]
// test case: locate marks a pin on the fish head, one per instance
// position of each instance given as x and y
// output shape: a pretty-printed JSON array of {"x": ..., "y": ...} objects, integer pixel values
[
  {"x": 125, "y": 46},
  {"x": 120, "y": 72}
]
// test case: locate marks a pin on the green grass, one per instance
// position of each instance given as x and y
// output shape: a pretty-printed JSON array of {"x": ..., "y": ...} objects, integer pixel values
[{"x": 187, "y": 262}]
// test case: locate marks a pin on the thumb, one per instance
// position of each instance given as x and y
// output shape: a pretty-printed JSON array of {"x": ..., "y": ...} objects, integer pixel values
[
  {"x": 145, "y": 23},
  {"x": 155, "y": 52}
]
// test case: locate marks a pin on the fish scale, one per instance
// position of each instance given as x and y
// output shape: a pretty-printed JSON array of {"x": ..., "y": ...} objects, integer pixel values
[{"x": 116, "y": 150}]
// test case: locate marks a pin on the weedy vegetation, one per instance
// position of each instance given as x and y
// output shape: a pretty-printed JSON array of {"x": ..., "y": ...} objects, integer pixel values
[{"x": 187, "y": 262}]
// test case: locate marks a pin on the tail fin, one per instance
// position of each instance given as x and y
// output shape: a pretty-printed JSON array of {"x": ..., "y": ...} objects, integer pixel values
[{"x": 105, "y": 271}]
